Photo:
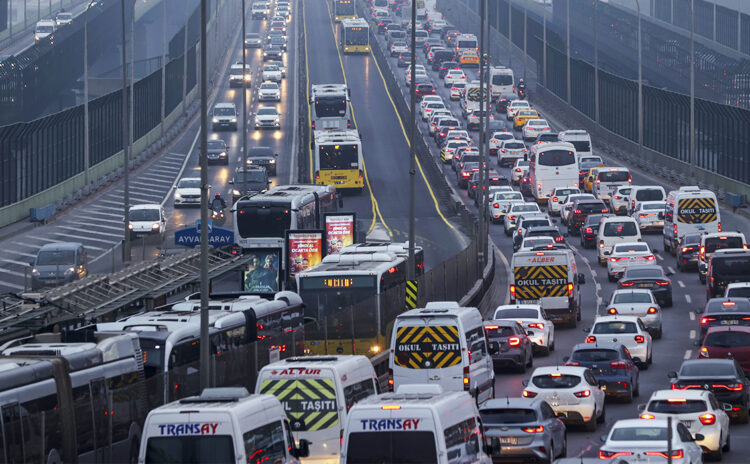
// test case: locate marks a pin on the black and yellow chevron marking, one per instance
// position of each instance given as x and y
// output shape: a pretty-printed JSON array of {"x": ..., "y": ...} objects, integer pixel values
[
  {"x": 534, "y": 282},
  {"x": 312, "y": 402},
  {"x": 411, "y": 294},
  {"x": 696, "y": 210},
  {"x": 434, "y": 347}
]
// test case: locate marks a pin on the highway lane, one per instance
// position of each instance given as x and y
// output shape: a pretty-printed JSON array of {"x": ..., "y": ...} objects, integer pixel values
[
  {"x": 680, "y": 322},
  {"x": 385, "y": 144}
]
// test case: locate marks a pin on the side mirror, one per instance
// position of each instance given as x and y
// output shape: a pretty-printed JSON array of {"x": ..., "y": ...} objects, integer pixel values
[
  {"x": 303, "y": 449},
  {"x": 587, "y": 330},
  {"x": 698, "y": 437},
  {"x": 581, "y": 278},
  {"x": 493, "y": 349},
  {"x": 560, "y": 415},
  {"x": 230, "y": 182},
  {"x": 529, "y": 332},
  {"x": 275, "y": 155},
  {"x": 566, "y": 359},
  {"x": 525, "y": 383},
  {"x": 641, "y": 407},
  {"x": 31, "y": 263},
  {"x": 669, "y": 274},
  {"x": 603, "y": 438},
  {"x": 672, "y": 375}
]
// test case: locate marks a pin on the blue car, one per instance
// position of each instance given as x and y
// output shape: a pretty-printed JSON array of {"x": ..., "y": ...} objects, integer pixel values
[{"x": 612, "y": 366}]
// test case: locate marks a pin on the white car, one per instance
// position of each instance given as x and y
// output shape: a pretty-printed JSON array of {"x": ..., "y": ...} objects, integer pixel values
[
  {"x": 509, "y": 221},
  {"x": 499, "y": 203},
  {"x": 63, "y": 18},
  {"x": 237, "y": 78},
  {"x": 571, "y": 391},
  {"x": 519, "y": 169},
  {"x": 430, "y": 107},
  {"x": 558, "y": 198},
  {"x": 639, "y": 302},
  {"x": 640, "y": 440},
  {"x": 429, "y": 99},
  {"x": 628, "y": 330},
  {"x": 269, "y": 91},
  {"x": 737, "y": 290},
  {"x": 398, "y": 48},
  {"x": 613, "y": 230},
  {"x": 271, "y": 72},
  {"x": 515, "y": 106},
  {"x": 526, "y": 220},
  {"x": 699, "y": 411},
  {"x": 511, "y": 151},
  {"x": 447, "y": 152},
  {"x": 650, "y": 215},
  {"x": 453, "y": 76},
  {"x": 534, "y": 127},
  {"x": 531, "y": 243},
  {"x": 188, "y": 192},
  {"x": 626, "y": 254},
  {"x": 618, "y": 201},
  {"x": 457, "y": 89},
  {"x": 567, "y": 208},
  {"x": 281, "y": 66},
  {"x": 531, "y": 317},
  {"x": 442, "y": 118},
  {"x": 497, "y": 139},
  {"x": 267, "y": 117}
]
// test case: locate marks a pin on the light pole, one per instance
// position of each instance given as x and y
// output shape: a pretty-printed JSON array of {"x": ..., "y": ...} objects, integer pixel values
[
  {"x": 567, "y": 43},
  {"x": 411, "y": 271},
  {"x": 244, "y": 102},
  {"x": 204, "y": 348},
  {"x": 482, "y": 109},
  {"x": 692, "y": 87},
  {"x": 510, "y": 34},
  {"x": 640, "y": 82},
  {"x": 163, "y": 63},
  {"x": 86, "y": 147},
  {"x": 525, "y": 36},
  {"x": 125, "y": 137},
  {"x": 596, "y": 64}
]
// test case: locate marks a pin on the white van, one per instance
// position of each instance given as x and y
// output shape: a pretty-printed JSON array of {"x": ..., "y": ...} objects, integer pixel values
[
  {"x": 580, "y": 139},
  {"x": 44, "y": 29},
  {"x": 608, "y": 180},
  {"x": 222, "y": 425},
  {"x": 690, "y": 210},
  {"x": 502, "y": 81},
  {"x": 613, "y": 230},
  {"x": 442, "y": 344},
  {"x": 421, "y": 425},
  {"x": 641, "y": 193},
  {"x": 316, "y": 393}
]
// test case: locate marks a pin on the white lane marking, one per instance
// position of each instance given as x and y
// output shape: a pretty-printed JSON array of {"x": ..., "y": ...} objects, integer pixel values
[
  {"x": 163, "y": 176},
  {"x": 8, "y": 284},
  {"x": 150, "y": 182},
  {"x": 84, "y": 237},
  {"x": 681, "y": 284},
  {"x": 169, "y": 163},
  {"x": 692, "y": 335},
  {"x": 30, "y": 255},
  {"x": 177, "y": 177},
  {"x": 671, "y": 269},
  {"x": 99, "y": 213},
  {"x": 12, "y": 261},
  {"x": 111, "y": 202},
  {"x": 688, "y": 354},
  {"x": 144, "y": 198},
  {"x": 174, "y": 155},
  {"x": 89, "y": 231},
  {"x": 98, "y": 225},
  {"x": 692, "y": 315},
  {"x": 13, "y": 273},
  {"x": 688, "y": 299},
  {"x": 659, "y": 257},
  {"x": 598, "y": 286}
]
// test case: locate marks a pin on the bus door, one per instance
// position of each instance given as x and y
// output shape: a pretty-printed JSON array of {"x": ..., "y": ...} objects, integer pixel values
[{"x": 101, "y": 404}]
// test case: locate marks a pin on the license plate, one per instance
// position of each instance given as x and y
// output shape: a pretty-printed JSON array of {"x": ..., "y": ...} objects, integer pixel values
[
  {"x": 508, "y": 440},
  {"x": 730, "y": 322},
  {"x": 645, "y": 285},
  {"x": 339, "y": 182},
  {"x": 528, "y": 301},
  {"x": 686, "y": 423}
]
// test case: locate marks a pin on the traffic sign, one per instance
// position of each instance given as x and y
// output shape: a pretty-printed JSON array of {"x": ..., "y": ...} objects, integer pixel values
[{"x": 191, "y": 236}]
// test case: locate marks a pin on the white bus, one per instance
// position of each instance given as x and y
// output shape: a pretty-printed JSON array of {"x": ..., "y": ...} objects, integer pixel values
[
  {"x": 355, "y": 36},
  {"x": 502, "y": 81},
  {"x": 260, "y": 221},
  {"x": 552, "y": 165},
  {"x": 71, "y": 401},
  {"x": 330, "y": 106},
  {"x": 337, "y": 159},
  {"x": 466, "y": 42}
]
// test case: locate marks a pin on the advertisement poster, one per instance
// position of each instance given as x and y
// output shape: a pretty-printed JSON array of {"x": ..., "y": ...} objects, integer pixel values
[
  {"x": 263, "y": 273},
  {"x": 304, "y": 250},
  {"x": 340, "y": 231}
]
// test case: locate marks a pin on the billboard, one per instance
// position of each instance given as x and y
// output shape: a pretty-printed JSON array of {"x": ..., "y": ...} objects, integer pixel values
[
  {"x": 305, "y": 248},
  {"x": 340, "y": 231},
  {"x": 263, "y": 272}
]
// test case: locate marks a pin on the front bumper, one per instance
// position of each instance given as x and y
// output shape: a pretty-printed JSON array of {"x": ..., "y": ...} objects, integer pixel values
[
  {"x": 224, "y": 124},
  {"x": 187, "y": 201},
  {"x": 267, "y": 124},
  {"x": 269, "y": 97}
]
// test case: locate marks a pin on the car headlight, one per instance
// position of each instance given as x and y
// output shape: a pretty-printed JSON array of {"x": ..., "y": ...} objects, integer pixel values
[
  {"x": 70, "y": 270},
  {"x": 155, "y": 225},
  {"x": 223, "y": 154},
  {"x": 234, "y": 119},
  {"x": 265, "y": 53},
  {"x": 177, "y": 195},
  {"x": 34, "y": 271},
  {"x": 249, "y": 161},
  {"x": 273, "y": 161},
  {"x": 247, "y": 77},
  {"x": 130, "y": 226},
  {"x": 235, "y": 192},
  {"x": 215, "y": 120}
]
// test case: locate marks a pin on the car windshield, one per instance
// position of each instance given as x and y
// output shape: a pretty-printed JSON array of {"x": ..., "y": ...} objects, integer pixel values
[
  {"x": 189, "y": 183},
  {"x": 615, "y": 327},
  {"x": 524, "y": 208},
  {"x": 514, "y": 145},
  {"x": 508, "y": 196},
  {"x": 620, "y": 229},
  {"x": 614, "y": 176},
  {"x": 631, "y": 248},
  {"x": 649, "y": 195},
  {"x": 641, "y": 433},
  {"x": 727, "y": 339},
  {"x": 267, "y": 111},
  {"x": 631, "y": 297},
  {"x": 707, "y": 368},
  {"x": 65, "y": 16},
  {"x": 581, "y": 145},
  {"x": 676, "y": 406},
  {"x": 216, "y": 145},
  {"x": 55, "y": 257},
  {"x": 151, "y": 214},
  {"x": 45, "y": 29},
  {"x": 224, "y": 111},
  {"x": 556, "y": 380},
  {"x": 252, "y": 36},
  {"x": 516, "y": 313},
  {"x": 595, "y": 355},
  {"x": 742, "y": 292},
  {"x": 507, "y": 416}
]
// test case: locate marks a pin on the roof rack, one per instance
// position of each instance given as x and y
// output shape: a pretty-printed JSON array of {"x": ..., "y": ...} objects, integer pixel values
[{"x": 218, "y": 395}]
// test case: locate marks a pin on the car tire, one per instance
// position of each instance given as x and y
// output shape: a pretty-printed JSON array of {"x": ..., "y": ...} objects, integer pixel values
[
  {"x": 728, "y": 445},
  {"x": 630, "y": 395},
  {"x": 658, "y": 333},
  {"x": 717, "y": 455},
  {"x": 702, "y": 278},
  {"x": 603, "y": 416},
  {"x": 668, "y": 303},
  {"x": 591, "y": 424},
  {"x": 637, "y": 390},
  {"x": 552, "y": 345},
  {"x": 564, "y": 451},
  {"x": 508, "y": 233},
  {"x": 611, "y": 278}
]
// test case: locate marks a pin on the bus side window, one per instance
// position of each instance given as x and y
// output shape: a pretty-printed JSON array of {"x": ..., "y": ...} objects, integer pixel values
[
  {"x": 38, "y": 412},
  {"x": 84, "y": 417},
  {"x": 12, "y": 433}
]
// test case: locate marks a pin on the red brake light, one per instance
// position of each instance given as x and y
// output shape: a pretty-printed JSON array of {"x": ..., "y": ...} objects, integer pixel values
[
  {"x": 612, "y": 310},
  {"x": 495, "y": 205},
  {"x": 639, "y": 339},
  {"x": 589, "y": 230},
  {"x": 707, "y": 419},
  {"x": 618, "y": 364},
  {"x": 514, "y": 341},
  {"x": 590, "y": 339},
  {"x": 554, "y": 199},
  {"x": 582, "y": 394},
  {"x": 513, "y": 291},
  {"x": 613, "y": 454},
  {"x": 528, "y": 394},
  {"x": 663, "y": 283},
  {"x": 676, "y": 454},
  {"x": 537, "y": 325},
  {"x": 627, "y": 284},
  {"x": 572, "y": 363},
  {"x": 731, "y": 386},
  {"x": 652, "y": 310},
  {"x": 706, "y": 320},
  {"x": 647, "y": 416},
  {"x": 537, "y": 429}
]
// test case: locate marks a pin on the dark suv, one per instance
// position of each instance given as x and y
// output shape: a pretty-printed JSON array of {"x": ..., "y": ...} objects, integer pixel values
[
  {"x": 724, "y": 312},
  {"x": 590, "y": 229},
  {"x": 581, "y": 210},
  {"x": 687, "y": 251},
  {"x": 725, "y": 267}
]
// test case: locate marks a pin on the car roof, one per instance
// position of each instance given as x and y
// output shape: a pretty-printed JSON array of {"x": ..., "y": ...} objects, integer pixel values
[
  {"x": 570, "y": 370},
  {"x": 615, "y": 318},
  {"x": 509, "y": 402},
  {"x": 641, "y": 423},
  {"x": 146, "y": 206},
  {"x": 727, "y": 304},
  {"x": 602, "y": 345},
  {"x": 692, "y": 394},
  {"x": 61, "y": 246}
]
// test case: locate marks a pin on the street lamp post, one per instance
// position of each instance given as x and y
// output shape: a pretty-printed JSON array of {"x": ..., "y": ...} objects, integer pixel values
[
  {"x": 125, "y": 137},
  {"x": 596, "y": 64},
  {"x": 411, "y": 270},
  {"x": 86, "y": 147},
  {"x": 640, "y": 82},
  {"x": 482, "y": 109},
  {"x": 567, "y": 43},
  {"x": 243, "y": 142},
  {"x": 204, "y": 346},
  {"x": 692, "y": 87}
]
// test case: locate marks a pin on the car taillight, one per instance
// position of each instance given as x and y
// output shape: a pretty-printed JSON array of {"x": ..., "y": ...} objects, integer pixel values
[
  {"x": 707, "y": 419},
  {"x": 465, "y": 174},
  {"x": 537, "y": 429},
  {"x": 601, "y": 243},
  {"x": 390, "y": 379},
  {"x": 627, "y": 284},
  {"x": 467, "y": 382},
  {"x": 612, "y": 310},
  {"x": 674, "y": 231},
  {"x": 518, "y": 169},
  {"x": 511, "y": 218},
  {"x": 686, "y": 249},
  {"x": 514, "y": 341},
  {"x": 706, "y": 320},
  {"x": 590, "y": 339},
  {"x": 589, "y": 230},
  {"x": 554, "y": 199},
  {"x": 719, "y": 227},
  {"x": 639, "y": 339},
  {"x": 684, "y": 387},
  {"x": 582, "y": 394},
  {"x": 703, "y": 253},
  {"x": 649, "y": 258},
  {"x": 730, "y": 386},
  {"x": 537, "y": 325},
  {"x": 618, "y": 364},
  {"x": 577, "y": 211},
  {"x": 528, "y": 394},
  {"x": 652, "y": 310},
  {"x": 614, "y": 260},
  {"x": 513, "y": 291},
  {"x": 495, "y": 205},
  {"x": 676, "y": 454},
  {"x": 662, "y": 283},
  {"x": 570, "y": 286},
  {"x": 613, "y": 454},
  {"x": 572, "y": 363},
  {"x": 647, "y": 416}
]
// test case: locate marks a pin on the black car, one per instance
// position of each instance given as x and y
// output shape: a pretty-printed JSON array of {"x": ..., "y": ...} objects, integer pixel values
[
  {"x": 545, "y": 231},
  {"x": 404, "y": 61},
  {"x": 649, "y": 276},
  {"x": 526, "y": 186},
  {"x": 502, "y": 102},
  {"x": 440, "y": 57},
  {"x": 725, "y": 267},
  {"x": 724, "y": 377},
  {"x": 264, "y": 157},
  {"x": 446, "y": 66},
  {"x": 509, "y": 345},
  {"x": 217, "y": 152},
  {"x": 687, "y": 251},
  {"x": 257, "y": 182},
  {"x": 545, "y": 137},
  {"x": 272, "y": 52},
  {"x": 278, "y": 42},
  {"x": 523, "y": 223},
  {"x": 494, "y": 178},
  {"x": 590, "y": 229},
  {"x": 383, "y": 25},
  {"x": 581, "y": 209},
  {"x": 611, "y": 365},
  {"x": 724, "y": 312}
]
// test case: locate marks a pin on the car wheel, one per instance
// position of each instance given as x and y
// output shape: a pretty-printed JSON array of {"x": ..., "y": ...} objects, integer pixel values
[
  {"x": 637, "y": 390},
  {"x": 630, "y": 395},
  {"x": 658, "y": 333},
  {"x": 611, "y": 278},
  {"x": 530, "y": 362},
  {"x": 550, "y": 458},
  {"x": 564, "y": 450},
  {"x": 603, "y": 416},
  {"x": 717, "y": 455},
  {"x": 702, "y": 278},
  {"x": 591, "y": 425},
  {"x": 508, "y": 233},
  {"x": 728, "y": 445}
]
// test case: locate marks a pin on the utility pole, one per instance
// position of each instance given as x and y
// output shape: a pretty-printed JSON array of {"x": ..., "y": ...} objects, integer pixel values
[
  {"x": 596, "y": 64},
  {"x": 245, "y": 83},
  {"x": 640, "y": 82},
  {"x": 163, "y": 63},
  {"x": 482, "y": 110},
  {"x": 411, "y": 274},
  {"x": 693, "y": 161},
  {"x": 125, "y": 137},
  {"x": 486, "y": 141},
  {"x": 86, "y": 143},
  {"x": 204, "y": 348},
  {"x": 567, "y": 35}
]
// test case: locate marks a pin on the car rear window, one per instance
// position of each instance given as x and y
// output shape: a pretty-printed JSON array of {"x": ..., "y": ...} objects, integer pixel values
[
  {"x": 707, "y": 368},
  {"x": 516, "y": 313},
  {"x": 632, "y": 297},
  {"x": 525, "y": 208},
  {"x": 514, "y": 145},
  {"x": 591, "y": 207},
  {"x": 598, "y": 355},
  {"x": 641, "y": 433},
  {"x": 614, "y": 176},
  {"x": 742, "y": 292},
  {"x": 499, "y": 332},
  {"x": 644, "y": 274},
  {"x": 649, "y": 195},
  {"x": 556, "y": 380},
  {"x": 615, "y": 327},
  {"x": 630, "y": 248},
  {"x": 718, "y": 243},
  {"x": 507, "y": 416},
  {"x": 726, "y": 266},
  {"x": 727, "y": 339},
  {"x": 620, "y": 229},
  {"x": 677, "y": 406}
]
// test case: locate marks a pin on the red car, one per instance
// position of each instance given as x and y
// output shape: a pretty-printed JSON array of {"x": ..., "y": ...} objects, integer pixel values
[
  {"x": 727, "y": 342},
  {"x": 425, "y": 89}
]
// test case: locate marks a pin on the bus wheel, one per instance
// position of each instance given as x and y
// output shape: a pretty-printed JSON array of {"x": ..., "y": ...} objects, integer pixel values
[
  {"x": 134, "y": 448},
  {"x": 54, "y": 457}
]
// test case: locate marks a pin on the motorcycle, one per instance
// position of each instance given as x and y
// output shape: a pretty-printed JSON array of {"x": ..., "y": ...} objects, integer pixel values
[
  {"x": 522, "y": 92},
  {"x": 218, "y": 217}
]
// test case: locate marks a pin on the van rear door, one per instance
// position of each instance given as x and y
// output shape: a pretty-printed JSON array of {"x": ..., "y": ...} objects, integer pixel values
[{"x": 190, "y": 437}]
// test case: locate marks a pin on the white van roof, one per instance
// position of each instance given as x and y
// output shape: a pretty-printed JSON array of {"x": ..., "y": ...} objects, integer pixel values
[
  {"x": 342, "y": 362},
  {"x": 236, "y": 401}
]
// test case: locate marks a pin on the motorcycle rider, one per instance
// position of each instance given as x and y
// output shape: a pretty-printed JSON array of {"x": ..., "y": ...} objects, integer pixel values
[
  {"x": 521, "y": 88},
  {"x": 218, "y": 203}
]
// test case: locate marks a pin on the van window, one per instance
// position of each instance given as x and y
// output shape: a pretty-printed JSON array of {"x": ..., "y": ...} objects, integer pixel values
[
  {"x": 718, "y": 243},
  {"x": 556, "y": 158},
  {"x": 620, "y": 229},
  {"x": 739, "y": 292},
  {"x": 614, "y": 176},
  {"x": 217, "y": 449},
  {"x": 502, "y": 79},
  {"x": 309, "y": 402},
  {"x": 475, "y": 339},
  {"x": 358, "y": 391},
  {"x": 649, "y": 195},
  {"x": 730, "y": 266},
  {"x": 392, "y": 447},
  {"x": 265, "y": 444},
  {"x": 581, "y": 146},
  {"x": 461, "y": 440},
  {"x": 427, "y": 347}
]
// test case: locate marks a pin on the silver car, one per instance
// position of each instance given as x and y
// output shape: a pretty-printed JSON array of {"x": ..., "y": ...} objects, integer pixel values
[
  {"x": 650, "y": 215},
  {"x": 253, "y": 40},
  {"x": 523, "y": 428}
]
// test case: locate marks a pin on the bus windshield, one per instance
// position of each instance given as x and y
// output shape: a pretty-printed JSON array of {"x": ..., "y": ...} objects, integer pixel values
[
  {"x": 502, "y": 79},
  {"x": 255, "y": 222},
  {"x": 330, "y": 107},
  {"x": 339, "y": 156},
  {"x": 218, "y": 449},
  {"x": 356, "y": 36},
  {"x": 339, "y": 303},
  {"x": 556, "y": 158},
  {"x": 344, "y": 7},
  {"x": 467, "y": 43}
]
